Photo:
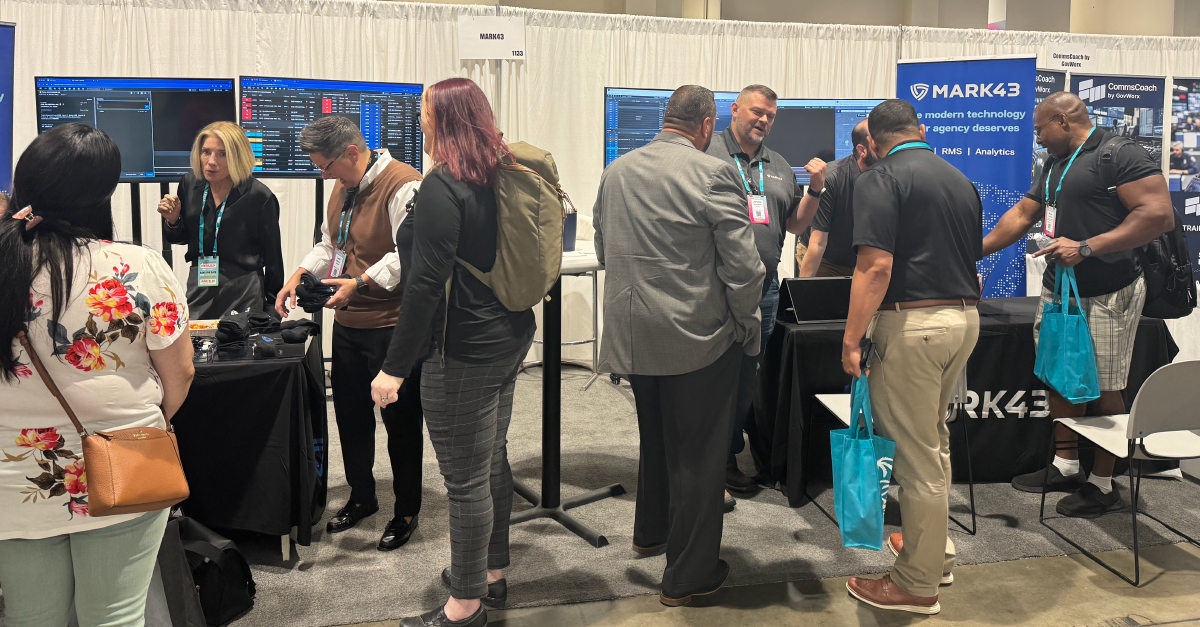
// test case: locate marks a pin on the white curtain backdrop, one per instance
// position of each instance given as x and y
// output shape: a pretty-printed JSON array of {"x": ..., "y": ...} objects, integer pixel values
[{"x": 553, "y": 99}]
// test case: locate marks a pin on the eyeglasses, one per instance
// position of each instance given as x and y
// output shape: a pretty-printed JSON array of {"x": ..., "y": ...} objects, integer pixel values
[
  {"x": 1037, "y": 130},
  {"x": 325, "y": 168}
]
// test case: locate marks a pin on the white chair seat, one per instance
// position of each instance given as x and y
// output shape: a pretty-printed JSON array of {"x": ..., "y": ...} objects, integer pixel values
[
  {"x": 1109, "y": 433},
  {"x": 838, "y": 405}
]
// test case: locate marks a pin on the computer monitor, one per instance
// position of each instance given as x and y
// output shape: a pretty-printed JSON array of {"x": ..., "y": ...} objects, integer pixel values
[
  {"x": 803, "y": 129},
  {"x": 153, "y": 120},
  {"x": 807, "y": 128},
  {"x": 632, "y": 117},
  {"x": 273, "y": 110}
]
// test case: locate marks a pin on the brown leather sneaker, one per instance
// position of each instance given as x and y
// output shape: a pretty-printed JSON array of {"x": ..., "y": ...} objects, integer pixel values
[
  {"x": 896, "y": 544},
  {"x": 886, "y": 595}
]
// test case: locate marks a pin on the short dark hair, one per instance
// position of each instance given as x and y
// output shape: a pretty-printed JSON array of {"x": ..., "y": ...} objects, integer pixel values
[
  {"x": 858, "y": 136},
  {"x": 688, "y": 107},
  {"x": 330, "y": 136},
  {"x": 765, "y": 91},
  {"x": 892, "y": 117}
]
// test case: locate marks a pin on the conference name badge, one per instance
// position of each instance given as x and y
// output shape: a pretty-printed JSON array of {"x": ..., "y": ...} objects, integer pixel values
[
  {"x": 1048, "y": 223},
  {"x": 758, "y": 209},
  {"x": 207, "y": 272},
  {"x": 339, "y": 263}
]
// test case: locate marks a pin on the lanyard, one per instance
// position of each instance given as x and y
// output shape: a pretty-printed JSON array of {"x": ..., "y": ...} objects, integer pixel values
[
  {"x": 220, "y": 214},
  {"x": 907, "y": 145},
  {"x": 745, "y": 183},
  {"x": 352, "y": 196},
  {"x": 1058, "y": 190}
]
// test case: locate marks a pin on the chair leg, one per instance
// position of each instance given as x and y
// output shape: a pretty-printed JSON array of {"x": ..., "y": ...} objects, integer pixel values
[
  {"x": 1046, "y": 475},
  {"x": 1134, "y": 488},
  {"x": 970, "y": 474}
]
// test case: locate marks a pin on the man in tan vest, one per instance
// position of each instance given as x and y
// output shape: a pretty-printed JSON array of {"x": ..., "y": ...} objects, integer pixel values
[{"x": 357, "y": 253}]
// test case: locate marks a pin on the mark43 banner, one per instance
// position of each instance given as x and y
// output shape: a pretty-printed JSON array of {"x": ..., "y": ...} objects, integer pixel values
[{"x": 978, "y": 115}]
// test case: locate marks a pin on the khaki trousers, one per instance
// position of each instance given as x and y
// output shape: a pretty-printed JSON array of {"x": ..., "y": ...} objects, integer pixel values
[
  {"x": 826, "y": 269},
  {"x": 919, "y": 356}
]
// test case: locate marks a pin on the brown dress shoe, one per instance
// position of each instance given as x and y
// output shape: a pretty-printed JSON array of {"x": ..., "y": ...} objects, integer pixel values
[
  {"x": 886, "y": 595},
  {"x": 896, "y": 544}
]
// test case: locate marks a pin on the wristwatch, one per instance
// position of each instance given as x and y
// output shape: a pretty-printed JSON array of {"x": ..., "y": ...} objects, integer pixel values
[
  {"x": 360, "y": 285},
  {"x": 1085, "y": 251},
  {"x": 814, "y": 194}
]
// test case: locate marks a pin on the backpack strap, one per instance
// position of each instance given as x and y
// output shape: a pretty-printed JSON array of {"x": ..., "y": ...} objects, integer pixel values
[{"x": 1108, "y": 172}]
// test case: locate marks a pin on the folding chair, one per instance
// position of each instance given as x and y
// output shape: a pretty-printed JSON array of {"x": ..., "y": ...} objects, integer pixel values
[{"x": 1162, "y": 424}]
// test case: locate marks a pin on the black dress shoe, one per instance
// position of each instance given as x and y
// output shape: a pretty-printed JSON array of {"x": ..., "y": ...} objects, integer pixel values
[
  {"x": 717, "y": 581},
  {"x": 737, "y": 481},
  {"x": 1032, "y": 481},
  {"x": 349, "y": 516},
  {"x": 1089, "y": 502},
  {"x": 397, "y": 533},
  {"x": 497, "y": 592},
  {"x": 437, "y": 618}
]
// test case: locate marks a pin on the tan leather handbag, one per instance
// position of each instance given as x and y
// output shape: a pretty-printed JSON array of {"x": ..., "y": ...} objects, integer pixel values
[{"x": 129, "y": 471}]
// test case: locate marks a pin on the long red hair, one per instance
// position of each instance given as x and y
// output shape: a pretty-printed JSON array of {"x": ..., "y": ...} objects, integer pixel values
[{"x": 464, "y": 130}]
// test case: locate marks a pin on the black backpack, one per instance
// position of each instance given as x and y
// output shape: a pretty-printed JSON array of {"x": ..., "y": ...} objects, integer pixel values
[
  {"x": 1166, "y": 261},
  {"x": 220, "y": 572}
]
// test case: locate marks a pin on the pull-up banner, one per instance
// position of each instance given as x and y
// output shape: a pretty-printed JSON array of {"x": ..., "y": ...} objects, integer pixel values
[
  {"x": 7, "y": 47},
  {"x": 978, "y": 115},
  {"x": 1131, "y": 106}
]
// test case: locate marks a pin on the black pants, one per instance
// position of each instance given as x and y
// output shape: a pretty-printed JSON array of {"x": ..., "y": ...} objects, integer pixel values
[
  {"x": 358, "y": 355},
  {"x": 686, "y": 422}
]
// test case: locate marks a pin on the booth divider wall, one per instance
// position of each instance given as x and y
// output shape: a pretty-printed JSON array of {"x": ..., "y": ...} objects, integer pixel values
[{"x": 553, "y": 99}]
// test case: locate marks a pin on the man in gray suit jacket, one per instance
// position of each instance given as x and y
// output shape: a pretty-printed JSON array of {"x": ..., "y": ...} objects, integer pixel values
[{"x": 682, "y": 287}]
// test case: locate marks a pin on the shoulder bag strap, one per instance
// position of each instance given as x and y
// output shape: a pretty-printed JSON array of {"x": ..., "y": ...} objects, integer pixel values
[{"x": 41, "y": 370}]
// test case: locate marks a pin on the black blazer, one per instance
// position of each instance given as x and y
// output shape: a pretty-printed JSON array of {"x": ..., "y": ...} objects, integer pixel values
[{"x": 250, "y": 239}]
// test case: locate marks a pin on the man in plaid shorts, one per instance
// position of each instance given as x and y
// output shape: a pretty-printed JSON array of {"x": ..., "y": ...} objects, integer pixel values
[{"x": 1100, "y": 235}]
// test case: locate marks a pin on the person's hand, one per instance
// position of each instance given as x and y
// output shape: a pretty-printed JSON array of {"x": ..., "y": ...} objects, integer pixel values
[
  {"x": 852, "y": 359},
  {"x": 1063, "y": 251},
  {"x": 816, "y": 174},
  {"x": 345, "y": 291},
  {"x": 168, "y": 208},
  {"x": 385, "y": 389},
  {"x": 286, "y": 299}
]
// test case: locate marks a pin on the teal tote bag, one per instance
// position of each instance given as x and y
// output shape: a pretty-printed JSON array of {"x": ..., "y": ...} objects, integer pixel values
[
  {"x": 1065, "y": 359},
  {"x": 862, "y": 470}
]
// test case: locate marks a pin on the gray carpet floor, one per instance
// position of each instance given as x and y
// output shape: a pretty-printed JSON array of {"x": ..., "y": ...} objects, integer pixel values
[{"x": 343, "y": 579}]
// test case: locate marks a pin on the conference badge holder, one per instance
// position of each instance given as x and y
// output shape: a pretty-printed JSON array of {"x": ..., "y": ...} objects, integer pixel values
[
  {"x": 758, "y": 209},
  {"x": 1048, "y": 224},
  {"x": 339, "y": 263},
  {"x": 208, "y": 271}
]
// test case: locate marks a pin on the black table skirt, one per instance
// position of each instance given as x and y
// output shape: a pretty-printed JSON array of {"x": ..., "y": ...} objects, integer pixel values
[
  {"x": 252, "y": 438},
  {"x": 1009, "y": 425}
]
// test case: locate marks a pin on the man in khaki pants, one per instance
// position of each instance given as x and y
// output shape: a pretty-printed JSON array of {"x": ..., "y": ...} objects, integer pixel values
[{"x": 918, "y": 231}]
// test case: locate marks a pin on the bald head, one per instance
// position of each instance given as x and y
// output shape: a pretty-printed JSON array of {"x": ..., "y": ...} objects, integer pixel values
[
  {"x": 1066, "y": 104},
  {"x": 1061, "y": 123}
]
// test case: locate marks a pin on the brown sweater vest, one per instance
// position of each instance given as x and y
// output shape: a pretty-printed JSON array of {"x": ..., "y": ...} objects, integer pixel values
[{"x": 370, "y": 239}]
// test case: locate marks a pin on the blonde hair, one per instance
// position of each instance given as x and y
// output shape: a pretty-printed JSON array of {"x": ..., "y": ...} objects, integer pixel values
[{"x": 238, "y": 154}]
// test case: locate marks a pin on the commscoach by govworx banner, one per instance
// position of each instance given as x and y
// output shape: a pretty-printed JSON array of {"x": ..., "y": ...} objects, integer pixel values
[{"x": 978, "y": 115}]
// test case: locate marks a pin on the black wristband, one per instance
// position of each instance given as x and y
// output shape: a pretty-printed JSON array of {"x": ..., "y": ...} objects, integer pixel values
[{"x": 816, "y": 194}]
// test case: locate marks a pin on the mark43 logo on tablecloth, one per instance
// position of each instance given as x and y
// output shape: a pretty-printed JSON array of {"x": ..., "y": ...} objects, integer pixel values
[{"x": 1036, "y": 405}]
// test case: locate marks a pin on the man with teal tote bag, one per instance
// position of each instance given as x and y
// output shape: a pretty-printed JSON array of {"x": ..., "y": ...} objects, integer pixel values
[
  {"x": 918, "y": 231},
  {"x": 1100, "y": 199}
]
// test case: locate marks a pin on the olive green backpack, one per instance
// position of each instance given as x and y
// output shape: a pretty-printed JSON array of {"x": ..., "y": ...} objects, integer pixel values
[{"x": 529, "y": 213}]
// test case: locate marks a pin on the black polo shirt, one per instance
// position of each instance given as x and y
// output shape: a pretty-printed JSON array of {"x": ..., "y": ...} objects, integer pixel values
[
  {"x": 1086, "y": 209},
  {"x": 928, "y": 215},
  {"x": 783, "y": 193},
  {"x": 835, "y": 214}
]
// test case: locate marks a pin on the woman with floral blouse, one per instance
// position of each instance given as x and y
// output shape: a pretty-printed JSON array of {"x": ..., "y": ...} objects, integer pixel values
[{"x": 109, "y": 322}]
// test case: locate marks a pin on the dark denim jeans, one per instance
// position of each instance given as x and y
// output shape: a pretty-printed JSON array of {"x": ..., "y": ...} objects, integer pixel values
[{"x": 748, "y": 376}]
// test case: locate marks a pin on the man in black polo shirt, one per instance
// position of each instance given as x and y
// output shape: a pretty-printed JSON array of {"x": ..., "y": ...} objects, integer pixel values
[
  {"x": 829, "y": 250},
  {"x": 776, "y": 204},
  {"x": 1098, "y": 234},
  {"x": 918, "y": 224}
]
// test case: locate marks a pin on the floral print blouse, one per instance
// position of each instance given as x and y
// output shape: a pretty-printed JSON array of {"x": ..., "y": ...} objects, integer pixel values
[{"x": 125, "y": 301}]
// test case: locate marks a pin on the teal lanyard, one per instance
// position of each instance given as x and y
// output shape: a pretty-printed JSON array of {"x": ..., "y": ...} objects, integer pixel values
[
  {"x": 344, "y": 223},
  {"x": 1058, "y": 190},
  {"x": 220, "y": 214},
  {"x": 745, "y": 183},
  {"x": 907, "y": 145}
]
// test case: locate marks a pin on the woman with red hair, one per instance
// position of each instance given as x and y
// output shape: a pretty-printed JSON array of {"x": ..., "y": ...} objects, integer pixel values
[{"x": 473, "y": 343}]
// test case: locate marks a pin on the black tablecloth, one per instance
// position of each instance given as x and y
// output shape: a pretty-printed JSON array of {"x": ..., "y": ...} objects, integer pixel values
[
  {"x": 252, "y": 437},
  {"x": 1009, "y": 425}
]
